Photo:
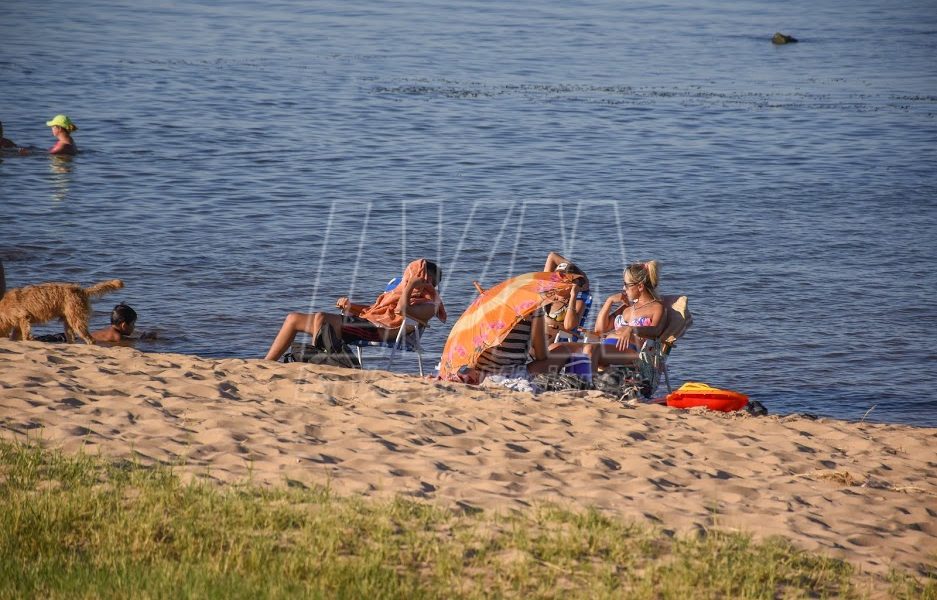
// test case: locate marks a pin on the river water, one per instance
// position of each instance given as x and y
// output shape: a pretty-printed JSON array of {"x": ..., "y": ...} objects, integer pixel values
[{"x": 240, "y": 160}]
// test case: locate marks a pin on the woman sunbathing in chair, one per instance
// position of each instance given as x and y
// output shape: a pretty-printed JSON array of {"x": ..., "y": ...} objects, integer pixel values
[
  {"x": 567, "y": 315},
  {"x": 414, "y": 297},
  {"x": 639, "y": 316}
]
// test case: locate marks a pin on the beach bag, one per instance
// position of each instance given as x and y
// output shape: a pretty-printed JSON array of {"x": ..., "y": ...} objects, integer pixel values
[{"x": 327, "y": 348}]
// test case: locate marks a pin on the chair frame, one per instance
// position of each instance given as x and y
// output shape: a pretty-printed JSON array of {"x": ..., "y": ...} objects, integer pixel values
[{"x": 405, "y": 342}]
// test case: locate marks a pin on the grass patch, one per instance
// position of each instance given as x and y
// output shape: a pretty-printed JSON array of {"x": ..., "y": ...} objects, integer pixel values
[{"x": 85, "y": 527}]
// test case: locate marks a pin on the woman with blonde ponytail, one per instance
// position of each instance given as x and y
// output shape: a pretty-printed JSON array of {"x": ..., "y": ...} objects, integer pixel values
[{"x": 640, "y": 315}]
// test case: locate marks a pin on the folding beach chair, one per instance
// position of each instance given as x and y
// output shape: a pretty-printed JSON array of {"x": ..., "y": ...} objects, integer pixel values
[
  {"x": 643, "y": 376},
  {"x": 408, "y": 338}
]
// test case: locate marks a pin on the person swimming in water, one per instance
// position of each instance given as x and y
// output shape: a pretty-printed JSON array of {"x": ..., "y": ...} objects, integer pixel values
[
  {"x": 4, "y": 142},
  {"x": 62, "y": 129},
  {"x": 123, "y": 323},
  {"x": 8, "y": 144}
]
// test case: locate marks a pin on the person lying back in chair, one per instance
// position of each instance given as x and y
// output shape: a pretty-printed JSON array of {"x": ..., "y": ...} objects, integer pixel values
[{"x": 415, "y": 297}]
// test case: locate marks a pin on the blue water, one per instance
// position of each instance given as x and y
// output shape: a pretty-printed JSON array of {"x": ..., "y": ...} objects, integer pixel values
[{"x": 242, "y": 160}]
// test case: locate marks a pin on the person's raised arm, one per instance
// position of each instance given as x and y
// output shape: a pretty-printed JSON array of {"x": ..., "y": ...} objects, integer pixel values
[
  {"x": 603, "y": 322},
  {"x": 421, "y": 312},
  {"x": 574, "y": 310},
  {"x": 553, "y": 259}
]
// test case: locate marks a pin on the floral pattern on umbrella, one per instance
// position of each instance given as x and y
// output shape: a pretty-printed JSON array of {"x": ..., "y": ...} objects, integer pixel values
[{"x": 493, "y": 314}]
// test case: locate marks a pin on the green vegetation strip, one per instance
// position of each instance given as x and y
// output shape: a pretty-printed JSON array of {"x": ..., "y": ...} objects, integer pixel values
[{"x": 82, "y": 526}]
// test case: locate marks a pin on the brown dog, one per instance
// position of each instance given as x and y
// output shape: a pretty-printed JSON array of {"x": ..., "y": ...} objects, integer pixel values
[{"x": 20, "y": 308}]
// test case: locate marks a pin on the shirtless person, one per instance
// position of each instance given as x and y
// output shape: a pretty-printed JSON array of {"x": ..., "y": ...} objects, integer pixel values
[{"x": 123, "y": 320}]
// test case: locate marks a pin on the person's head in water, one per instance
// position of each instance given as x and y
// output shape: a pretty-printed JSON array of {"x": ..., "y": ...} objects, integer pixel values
[
  {"x": 123, "y": 319},
  {"x": 434, "y": 273},
  {"x": 62, "y": 122},
  {"x": 641, "y": 277}
]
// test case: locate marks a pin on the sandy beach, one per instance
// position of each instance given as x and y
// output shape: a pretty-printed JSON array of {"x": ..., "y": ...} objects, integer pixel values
[{"x": 859, "y": 491}]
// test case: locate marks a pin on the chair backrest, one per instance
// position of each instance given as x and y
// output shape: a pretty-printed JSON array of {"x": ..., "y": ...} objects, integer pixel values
[
  {"x": 586, "y": 298},
  {"x": 677, "y": 319}
]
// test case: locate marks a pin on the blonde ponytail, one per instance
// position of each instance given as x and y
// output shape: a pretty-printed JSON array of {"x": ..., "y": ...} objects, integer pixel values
[{"x": 646, "y": 273}]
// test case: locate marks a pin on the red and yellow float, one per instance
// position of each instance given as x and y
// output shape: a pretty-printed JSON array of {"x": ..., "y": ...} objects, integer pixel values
[{"x": 692, "y": 394}]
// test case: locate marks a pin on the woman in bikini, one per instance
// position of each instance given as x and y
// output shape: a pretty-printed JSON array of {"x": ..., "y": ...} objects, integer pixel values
[
  {"x": 565, "y": 316},
  {"x": 640, "y": 315}
]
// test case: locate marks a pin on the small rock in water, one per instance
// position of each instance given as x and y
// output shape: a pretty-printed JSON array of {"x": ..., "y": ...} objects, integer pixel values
[{"x": 780, "y": 38}]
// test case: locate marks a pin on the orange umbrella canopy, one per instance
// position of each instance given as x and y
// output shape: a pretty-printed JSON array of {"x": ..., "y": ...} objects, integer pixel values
[{"x": 493, "y": 314}]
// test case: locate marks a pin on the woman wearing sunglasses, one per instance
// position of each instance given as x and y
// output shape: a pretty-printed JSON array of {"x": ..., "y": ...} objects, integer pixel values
[{"x": 639, "y": 315}]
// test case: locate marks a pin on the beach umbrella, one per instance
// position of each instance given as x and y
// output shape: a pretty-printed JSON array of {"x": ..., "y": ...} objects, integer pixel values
[{"x": 494, "y": 313}]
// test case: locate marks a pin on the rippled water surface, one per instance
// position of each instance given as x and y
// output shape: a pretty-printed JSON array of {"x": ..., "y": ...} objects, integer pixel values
[{"x": 240, "y": 160}]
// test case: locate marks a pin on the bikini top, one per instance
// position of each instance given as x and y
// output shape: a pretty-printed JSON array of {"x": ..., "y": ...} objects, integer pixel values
[
  {"x": 560, "y": 313},
  {"x": 620, "y": 322}
]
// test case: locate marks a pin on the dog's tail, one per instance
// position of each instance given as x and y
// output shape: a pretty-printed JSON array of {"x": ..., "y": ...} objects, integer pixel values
[{"x": 104, "y": 287}]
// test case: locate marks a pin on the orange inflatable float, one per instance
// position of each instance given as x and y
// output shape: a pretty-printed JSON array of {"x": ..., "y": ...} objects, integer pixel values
[{"x": 692, "y": 394}]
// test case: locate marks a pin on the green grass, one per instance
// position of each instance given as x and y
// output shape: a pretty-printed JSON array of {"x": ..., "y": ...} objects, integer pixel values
[{"x": 84, "y": 527}]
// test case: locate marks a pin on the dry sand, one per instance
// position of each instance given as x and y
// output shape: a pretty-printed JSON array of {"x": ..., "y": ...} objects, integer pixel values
[{"x": 863, "y": 492}]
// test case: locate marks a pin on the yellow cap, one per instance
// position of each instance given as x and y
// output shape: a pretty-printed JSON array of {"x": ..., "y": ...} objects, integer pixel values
[{"x": 63, "y": 122}]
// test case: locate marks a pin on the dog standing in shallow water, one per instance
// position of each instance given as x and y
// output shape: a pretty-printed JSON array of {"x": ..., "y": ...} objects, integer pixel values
[{"x": 22, "y": 307}]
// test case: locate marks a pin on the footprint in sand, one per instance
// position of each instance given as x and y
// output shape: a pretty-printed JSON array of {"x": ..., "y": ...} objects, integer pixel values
[
  {"x": 228, "y": 390},
  {"x": 440, "y": 428},
  {"x": 326, "y": 459}
]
